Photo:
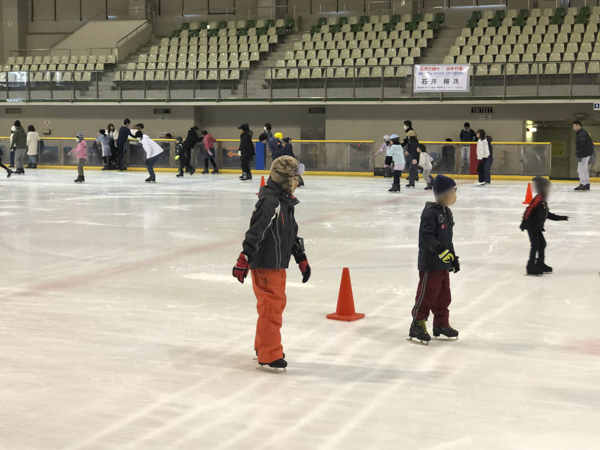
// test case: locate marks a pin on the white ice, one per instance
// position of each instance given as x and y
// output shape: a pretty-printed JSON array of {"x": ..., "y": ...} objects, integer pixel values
[{"x": 122, "y": 328}]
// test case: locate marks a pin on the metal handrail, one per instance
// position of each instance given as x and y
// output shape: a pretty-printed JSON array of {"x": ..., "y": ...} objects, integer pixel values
[
  {"x": 146, "y": 22},
  {"x": 251, "y": 11}
]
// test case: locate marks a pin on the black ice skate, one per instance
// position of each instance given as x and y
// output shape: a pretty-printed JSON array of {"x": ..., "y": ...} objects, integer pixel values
[
  {"x": 180, "y": 174},
  {"x": 278, "y": 366},
  {"x": 150, "y": 180},
  {"x": 79, "y": 179},
  {"x": 581, "y": 187},
  {"x": 587, "y": 187},
  {"x": 215, "y": 171},
  {"x": 246, "y": 177},
  {"x": 395, "y": 188},
  {"x": 9, "y": 173},
  {"x": 543, "y": 267},
  {"x": 410, "y": 186},
  {"x": 418, "y": 331},
  {"x": 533, "y": 269},
  {"x": 450, "y": 333},
  {"x": 192, "y": 172},
  {"x": 205, "y": 171},
  {"x": 429, "y": 187},
  {"x": 300, "y": 182}
]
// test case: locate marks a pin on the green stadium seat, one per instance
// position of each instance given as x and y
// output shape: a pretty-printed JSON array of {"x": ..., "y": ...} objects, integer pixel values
[
  {"x": 440, "y": 18},
  {"x": 322, "y": 21},
  {"x": 290, "y": 24},
  {"x": 242, "y": 32},
  {"x": 524, "y": 13},
  {"x": 185, "y": 26},
  {"x": 175, "y": 34},
  {"x": 262, "y": 31},
  {"x": 343, "y": 21},
  {"x": 560, "y": 12},
  {"x": 251, "y": 24},
  {"x": 496, "y": 22},
  {"x": 222, "y": 25},
  {"x": 335, "y": 29},
  {"x": 357, "y": 28},
  {"x": 411, "y": 26},
  {"x": 476, "y": 16},
  {"x": 472, "y": 24},
  {"x": 434, "y": 26},
  {"x": 417, "y": 18},
  {"x": 396, "y": 19},
  {"x": 203, "y": 26},
  {"x": 582, "y": 19},
  {"x": 584, "y": 11},
  {"x": 500, "y": 14},
  {"x": 519, "y": 22},
  {"x": 315, "y": 29},
  {"x": 270, "y": 23},
  {"x": 557, "y": 20},
  {"x": 281, "y": 31}
]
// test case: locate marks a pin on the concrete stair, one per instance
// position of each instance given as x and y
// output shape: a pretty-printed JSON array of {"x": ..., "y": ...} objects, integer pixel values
[{"x": 441, "y": 46}]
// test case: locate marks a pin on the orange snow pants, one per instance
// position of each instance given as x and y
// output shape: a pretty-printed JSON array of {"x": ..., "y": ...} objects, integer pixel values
[{"x": 269, "y": 288}]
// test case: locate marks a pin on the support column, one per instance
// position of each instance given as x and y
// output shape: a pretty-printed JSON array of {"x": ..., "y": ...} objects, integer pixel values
[
  {"x": 267, "y": 9},
  {"x": 15, "y": 26},
  {"x": 137, "y": 9}
]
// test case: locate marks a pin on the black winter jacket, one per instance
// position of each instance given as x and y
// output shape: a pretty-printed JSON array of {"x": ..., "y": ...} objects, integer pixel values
[
  {"x": 286, "y": 150},
  {"x": 412, "y": 148},
  {"x": 468, "y": 136},
  {"x": 191, "y": 140},
  {"x": 124, "y": 134},
  {"x": 272, "y": 238},
  {"x": 536, "y": 214},
  {"x": 179, "y": 150},
  {"x": 583, "y": 144},
  {"x": 405, "y": 141},
  {"x": 435, "y": 236},
  {"x": 246, "y": 149}
]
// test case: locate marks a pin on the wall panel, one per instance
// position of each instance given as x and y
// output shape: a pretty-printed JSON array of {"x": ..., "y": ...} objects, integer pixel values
[
  {"x": 68, "y": 9},
  {"x": 43, "y": 10},
  {"x": 89, "y": 8}
]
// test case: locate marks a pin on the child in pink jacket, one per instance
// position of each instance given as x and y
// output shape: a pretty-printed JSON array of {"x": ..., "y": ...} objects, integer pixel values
[{"x": 80, "y": 152}]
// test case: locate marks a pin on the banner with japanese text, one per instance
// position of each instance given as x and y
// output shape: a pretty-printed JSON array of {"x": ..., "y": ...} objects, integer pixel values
[{"x": 442, "y": 78}]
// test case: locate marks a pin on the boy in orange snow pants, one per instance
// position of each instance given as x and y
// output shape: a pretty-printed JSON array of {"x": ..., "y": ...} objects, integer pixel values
[{"x": 270, "y": 242}]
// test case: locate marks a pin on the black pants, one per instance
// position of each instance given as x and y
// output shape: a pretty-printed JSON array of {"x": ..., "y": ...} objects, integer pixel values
[
  {"x": 212, "y": 161},
  {"x": 481, "y": 169},
  {"x": 184, "y": 162},
  {"x": 397, "y": 176},
  {"x": 4, "y": 167},
  {"x": 121, "y": 150},
  {"x": 538, "y": 246},
  {"x": 413, "y": 174},
  {"x": 245, "y": 161}
]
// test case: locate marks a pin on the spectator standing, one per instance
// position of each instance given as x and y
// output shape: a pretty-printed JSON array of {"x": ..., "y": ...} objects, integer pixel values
[
  {"x": 185, "y": 157},
  {"x": 488, "y": 164},
  {"x": 448, "y": 163},
  {"x": 584, "y": 148},
  {"x": 483, "y": 153},
  {"x": 209, "y": 151},
  {"x": 103, "y": 139},
  {"x": 469, "y": 136},
  {"x": 124, "y": 134},
  {"x": 33, "y": 145},
  {"x": 426, "y": 163},
  {"x": 246, "y": 151},
  {"x": 19, "y": 142}
]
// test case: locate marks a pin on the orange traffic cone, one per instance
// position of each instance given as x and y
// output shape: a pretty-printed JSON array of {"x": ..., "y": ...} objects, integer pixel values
[
  {"x": 262, "y": 183},
  {"x": 345, "y": 307},
  {"x": 528, "y": 195}
]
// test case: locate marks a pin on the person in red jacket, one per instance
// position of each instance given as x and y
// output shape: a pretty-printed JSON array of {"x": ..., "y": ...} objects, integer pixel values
[
  {"x": 209, "y": 151},
  {"x": 270, "y": 242}
]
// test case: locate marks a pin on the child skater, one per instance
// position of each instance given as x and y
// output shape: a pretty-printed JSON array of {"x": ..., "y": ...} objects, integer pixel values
[
  {"x": 270, "y": 242},
  {"x": 179, "y": 153},
  {"x": 436, "y": 260},
  {"x": 395, "y": 155},
  {"x": 209, "y": 151},
  {"x": 80, "y": 152},
  {"x": 153, "y": 152},
  {"x": 533, "y": 221},
  {"x": 426, "y": 163},
  {"x": 483, "y": 153}
]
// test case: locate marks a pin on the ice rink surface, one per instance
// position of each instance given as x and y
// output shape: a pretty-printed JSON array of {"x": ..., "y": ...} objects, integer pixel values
[{"x": 121, "y": 326}]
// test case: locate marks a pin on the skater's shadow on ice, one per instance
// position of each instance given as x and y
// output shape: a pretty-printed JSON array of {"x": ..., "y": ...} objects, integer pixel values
[{"x": 346, "y": 373}]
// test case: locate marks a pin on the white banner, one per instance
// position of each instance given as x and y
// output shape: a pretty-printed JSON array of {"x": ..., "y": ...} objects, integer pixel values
[{"x": 442, "y": 78}]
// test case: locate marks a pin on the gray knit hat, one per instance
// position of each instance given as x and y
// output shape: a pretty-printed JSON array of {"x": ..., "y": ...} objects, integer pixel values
[
  {"x": 283, "y": 171},
  {"x": 80, "y": 135}
]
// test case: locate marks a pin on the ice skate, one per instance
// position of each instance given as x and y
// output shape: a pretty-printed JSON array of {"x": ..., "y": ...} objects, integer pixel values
[
  {"x": 480, "y": 183},
  {"x": 429, "y": 187},
  {"x": 533, "y": 269},
  {"x": 543, "y": 267},
  {"x": 79, "y": 179},
  {"x": 150, "y": 180},
  {"x": 215, "y": 171},
  {"x": 581, "y": 187},
  {"x": 449, "y": 333},
  {"x": 395, "y": 188},
  {"x": 410, "y": 186},
  {"x": 256, "y": 357},
  {"x": 278, "y": 366},
  {"x": 418, "y": 332},
  {"x": 246, "y": 177},
  {"x": 205, "y": 171},
  {"x": 9, "y": 173},
  {"x": 587, "y": 187},
  {"x": 180, "y": 174},
  {"x": 192, "y": 172},
  {"x": 300, "y": 182}
]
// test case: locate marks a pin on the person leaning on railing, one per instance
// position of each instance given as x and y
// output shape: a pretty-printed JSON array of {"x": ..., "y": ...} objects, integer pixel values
[{"x": 584, "y": 147}]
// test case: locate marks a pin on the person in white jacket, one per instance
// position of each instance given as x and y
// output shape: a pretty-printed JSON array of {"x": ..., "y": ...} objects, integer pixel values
[
  {"x": 426, "y": 163},
  {"x": 483, "y": 153},
  {"x": 153, "y": 152},
  {"x": 395, "y": 156},
  {"x": 33, "y": 143}
]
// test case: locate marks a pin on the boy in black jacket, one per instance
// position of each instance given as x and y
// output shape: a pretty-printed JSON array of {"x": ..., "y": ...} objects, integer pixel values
[
  {"x": 412, "y": 151},
  {"x": 436, "y": 260},
  {"x": 533, "y": 221},
  {"x": 179, "y": 153},
  {"x": 270, "y": 242}
]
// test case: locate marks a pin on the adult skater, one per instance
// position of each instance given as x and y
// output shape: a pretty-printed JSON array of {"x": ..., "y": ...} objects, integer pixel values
[
  {"x": 33, "y": 145},
  {"x": 487, "y": 169},
  {"x": 103, "y": 139},
  {"x": 468, "y": 136},
  {"x": 209, "y": 151},
  {"x": 534, "y": 219},
  {"x": 483, "y": 153},
  {"x": 19, "y": 142},
  {"x": 185, "y": 157},
  {"x": 584, "y": 148},
  {"x": 80, "y": 152},
  {"x": 395, "y": 156},
  {"x": 407, "y": 157},
  {"x": 12, "y": 148},
  {"x": 113, "y": 135},
  {"x": 246, "y": 151},
  {"x": 412, "y": 150},
  {"x": 124, "y": 134},
  {"x": 437, "y": 259},
  {"x": 153, "y": 152},
  {"x": 270, "y": 242},
  {"x": 268, "y": 130}
]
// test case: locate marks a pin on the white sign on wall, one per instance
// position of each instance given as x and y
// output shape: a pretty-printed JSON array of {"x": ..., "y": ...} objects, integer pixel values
[
  {"x": 597, "y": 106},
  {"x": 442, "y": 78}
]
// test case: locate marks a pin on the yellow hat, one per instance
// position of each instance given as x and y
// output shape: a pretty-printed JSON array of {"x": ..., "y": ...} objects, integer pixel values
[{"x": 278, "y": 136}]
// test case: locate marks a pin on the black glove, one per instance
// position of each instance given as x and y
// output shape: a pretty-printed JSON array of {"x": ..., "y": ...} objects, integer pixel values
[
  {"x": 562, "y": 218},
  {"x": 455, "y": 266}
]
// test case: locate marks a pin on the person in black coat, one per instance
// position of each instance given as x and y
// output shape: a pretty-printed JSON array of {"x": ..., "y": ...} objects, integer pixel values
[
  {"x": 534, "y": 219},
  {"x": 448, "y": 162},
  {"x": 124, "y": 134},
  {"x": 468, "y": 136},
  {"x": 437, "y": 259},
  {"x": 412, "y": 151},
  {"x": 185, "y": 156},
  {"x": 584, "y": 147},
  {"x": 407, "y": 159},
  {"x": 246, "y": 151}
]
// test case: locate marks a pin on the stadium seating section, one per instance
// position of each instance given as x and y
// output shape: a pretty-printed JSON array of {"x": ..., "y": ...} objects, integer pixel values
[{"x": 549, "y": 41}]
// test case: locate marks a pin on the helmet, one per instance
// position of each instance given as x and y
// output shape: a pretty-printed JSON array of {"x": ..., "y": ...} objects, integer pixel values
[
  {"x": 278, "y": 136},
  {"x": 394, "y": 136},
  {"x": 386, "y": 138}
]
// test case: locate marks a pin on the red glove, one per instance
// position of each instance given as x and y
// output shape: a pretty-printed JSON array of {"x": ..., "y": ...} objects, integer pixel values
[
  {"x": 305, "y": 269},
  {"x": 241, "y": 268}
]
